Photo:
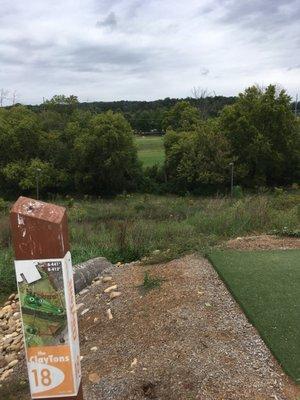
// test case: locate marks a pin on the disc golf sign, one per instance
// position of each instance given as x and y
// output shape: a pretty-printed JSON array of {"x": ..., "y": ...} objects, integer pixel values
[{"x": 47, "y": 299}]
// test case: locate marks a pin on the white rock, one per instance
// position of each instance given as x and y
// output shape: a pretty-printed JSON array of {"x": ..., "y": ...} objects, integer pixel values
[
  {"x": 109, "y": 289},
  {"x": 113, "y": 295},
  {"x": 13, "y": 363},
  {"x": 106, "y": 279},
  {"x": 78, "y": 306},
  {"x": 85, "y": 311},
  {"x": 109, "y": 314},
  {"x": 134, "y": 362},
  {"x": 84, "y": 291},
  {"x": 95, "y": 348}
]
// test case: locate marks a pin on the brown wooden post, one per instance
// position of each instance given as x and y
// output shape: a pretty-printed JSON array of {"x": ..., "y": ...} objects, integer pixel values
[{"x": 47, "y": 299}]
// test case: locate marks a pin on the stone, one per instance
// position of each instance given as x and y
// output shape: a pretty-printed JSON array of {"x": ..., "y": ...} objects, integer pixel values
[
  {"x": 18, "y": 339},
  {"x": 13, "y": 363},
  {"x": 106, "y": 279},
  {"x": 109, "y": 314},
  {"x": 7, "y": 342},
  {"x": 6, "y": 374},
  {"x": 118, "y": 264},
  {"x": 3, "y": 362},
  {"x": 85, "y": 311},
  {"x": 79, "y": 306},
  {"x": 114, "y": 295},
  {"x": 16, "y": 315},
  {"x": 95, "y": 348},
  {"x": 11, "y": 297},
  {"x": 134, "y": 363},
  {"x": 94, "y": 378},
  {"x": 111, "y": 288},
  {"x": 84, "y": 291},
  {"x": 16, "y": 347}
]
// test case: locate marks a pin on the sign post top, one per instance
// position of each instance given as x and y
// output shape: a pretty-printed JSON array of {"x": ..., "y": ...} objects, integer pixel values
[
  {"x": 39, "y": 230},
  {"x": 27, "y": 207}
]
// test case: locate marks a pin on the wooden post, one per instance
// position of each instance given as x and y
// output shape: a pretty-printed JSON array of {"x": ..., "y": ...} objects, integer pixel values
[{"x": 47, "y": 299}]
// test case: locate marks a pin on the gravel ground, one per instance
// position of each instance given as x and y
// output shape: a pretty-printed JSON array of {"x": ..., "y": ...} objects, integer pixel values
[
  {"x": 263, "y": 242},
  {"x": 186, "y": 340}
]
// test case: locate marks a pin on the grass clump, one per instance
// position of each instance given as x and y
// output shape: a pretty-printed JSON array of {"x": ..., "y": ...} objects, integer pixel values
[{"x": 151, "y": 282}]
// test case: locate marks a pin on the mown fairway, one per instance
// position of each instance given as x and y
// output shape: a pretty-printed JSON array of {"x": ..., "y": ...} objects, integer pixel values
[
  {"x": 266, "y": 285},
  {"x": 150, "y": 150}
]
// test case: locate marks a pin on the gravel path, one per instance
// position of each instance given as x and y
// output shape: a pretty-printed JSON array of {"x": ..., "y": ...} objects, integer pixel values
[{"x": 186, "y": 340}]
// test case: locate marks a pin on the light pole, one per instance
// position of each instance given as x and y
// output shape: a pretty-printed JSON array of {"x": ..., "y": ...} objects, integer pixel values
[
  {"x": 38, "y": 170},
  {"x": 231, "y": 178}
]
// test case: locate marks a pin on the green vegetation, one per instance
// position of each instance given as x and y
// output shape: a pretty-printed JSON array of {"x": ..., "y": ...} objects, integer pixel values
[
  {"x": 76, "y": 151},
  {"x": 151, "y": 282},
  {"x": 130, "y": 227},
  {"x": 266, "y": 285},
  {"x": 259, "y": 133},
  {"x": 150, "y": 150}
]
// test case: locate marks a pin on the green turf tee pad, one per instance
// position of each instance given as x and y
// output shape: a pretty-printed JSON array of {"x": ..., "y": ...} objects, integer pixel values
[{"x": 266, "y": 284}]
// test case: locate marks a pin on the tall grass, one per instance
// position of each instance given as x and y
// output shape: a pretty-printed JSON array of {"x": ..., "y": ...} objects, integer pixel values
[{"x": 130, "y": 227}]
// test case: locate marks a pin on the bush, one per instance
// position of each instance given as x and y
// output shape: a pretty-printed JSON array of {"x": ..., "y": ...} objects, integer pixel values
[
  {"x": 3, "y": 205},
  {"x": 237, "y": 192},
  {"x": 105, "y": 157},
  {"x": 196, "y": 161}
]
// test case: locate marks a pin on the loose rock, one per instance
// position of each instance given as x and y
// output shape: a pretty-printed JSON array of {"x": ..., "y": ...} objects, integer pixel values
[
  {"x": 109, "y": 314},
  {"x": 109, "y": 289},
  {"x": 94, "y": 378},
  {"x": 114, "y": 295},
  {"x": 106, "y": 279}
]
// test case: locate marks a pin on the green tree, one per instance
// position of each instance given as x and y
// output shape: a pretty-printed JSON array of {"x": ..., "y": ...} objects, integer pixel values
[
  {"x": 262, "y": 130},
  {"x": 23, "y": 175},
  {"x": 181, "y": 117},
  {"x": 105, "y": 157},
  {"x": 197, "y": 161}
]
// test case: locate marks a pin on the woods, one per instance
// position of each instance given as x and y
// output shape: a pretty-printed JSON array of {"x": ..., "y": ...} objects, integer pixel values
[{"x": 82, "y": 151}]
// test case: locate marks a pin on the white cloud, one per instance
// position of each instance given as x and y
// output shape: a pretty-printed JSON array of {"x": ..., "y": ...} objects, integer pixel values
[{"x": 110, "y": 49}]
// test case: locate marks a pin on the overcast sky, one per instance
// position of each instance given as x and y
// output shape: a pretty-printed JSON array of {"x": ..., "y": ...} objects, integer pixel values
[{"x": 146, "y": 49}]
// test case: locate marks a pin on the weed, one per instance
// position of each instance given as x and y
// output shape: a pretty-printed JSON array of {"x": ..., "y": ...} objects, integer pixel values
[{"x": 151, "y": 282}]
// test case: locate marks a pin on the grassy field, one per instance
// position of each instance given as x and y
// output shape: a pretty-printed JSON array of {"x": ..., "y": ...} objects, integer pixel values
[
  {"x": 130, "y": 227},
  {"x": 150, "y": 150},
  {"x": 266, "y": 285}
]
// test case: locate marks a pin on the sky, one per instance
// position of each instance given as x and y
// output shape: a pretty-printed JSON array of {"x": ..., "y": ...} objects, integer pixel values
[{"x": 105, "y": 50}]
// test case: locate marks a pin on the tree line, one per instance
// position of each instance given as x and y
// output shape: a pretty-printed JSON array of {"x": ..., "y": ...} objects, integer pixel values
[{"x": 72, "y": 148}]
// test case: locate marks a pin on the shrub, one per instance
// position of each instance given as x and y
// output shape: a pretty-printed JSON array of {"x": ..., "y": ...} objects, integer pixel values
[{"x": 237, "y": 192}]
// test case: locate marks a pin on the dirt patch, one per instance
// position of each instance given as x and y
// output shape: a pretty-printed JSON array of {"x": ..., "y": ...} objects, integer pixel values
[
  {"x": 186, "y": 340},
  {"x": 262, "y": 242}
]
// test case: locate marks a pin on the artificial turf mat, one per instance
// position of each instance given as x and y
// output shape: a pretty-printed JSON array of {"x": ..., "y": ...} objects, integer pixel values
[{"x": 266, "y": 284}]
